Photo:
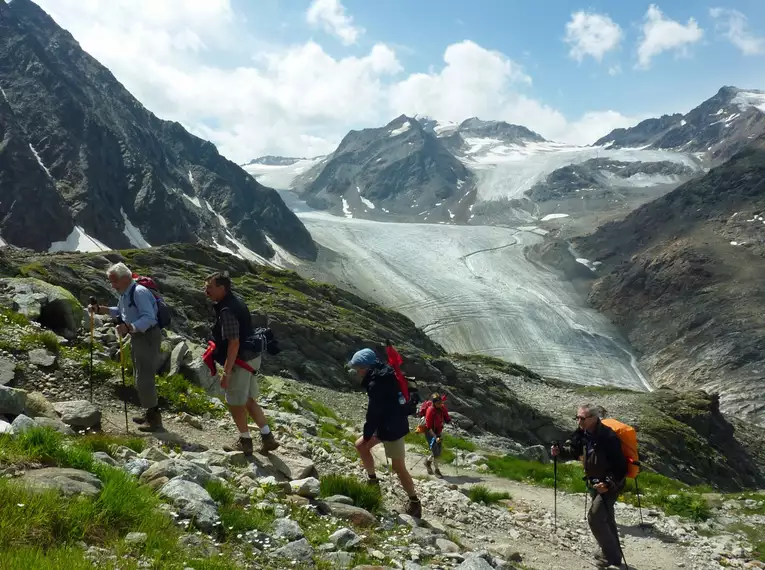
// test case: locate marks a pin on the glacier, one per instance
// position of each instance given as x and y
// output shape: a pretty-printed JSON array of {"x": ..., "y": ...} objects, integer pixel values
[{"x": 473, "y": 290}]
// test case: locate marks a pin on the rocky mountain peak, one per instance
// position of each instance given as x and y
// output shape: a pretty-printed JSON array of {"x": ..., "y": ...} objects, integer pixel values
[
  {"x": 507, "y": 132},
  {"x": 125, "y": 177},
  {"x": 270, "y": 160}
]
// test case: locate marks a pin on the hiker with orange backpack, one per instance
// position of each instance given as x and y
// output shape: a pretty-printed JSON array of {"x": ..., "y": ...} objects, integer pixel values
[{"x": 605, "y": 468}]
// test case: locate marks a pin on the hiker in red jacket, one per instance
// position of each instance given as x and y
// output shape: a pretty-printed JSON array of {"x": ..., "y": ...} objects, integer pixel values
[{"x": 436, "y": 415}]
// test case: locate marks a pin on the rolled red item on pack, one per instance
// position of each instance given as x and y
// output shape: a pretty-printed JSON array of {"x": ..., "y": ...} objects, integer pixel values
[{"x": 207, "y": 358}]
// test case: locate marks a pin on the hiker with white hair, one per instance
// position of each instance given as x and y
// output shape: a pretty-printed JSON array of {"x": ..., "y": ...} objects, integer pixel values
[{"x": 137, "y": 313}]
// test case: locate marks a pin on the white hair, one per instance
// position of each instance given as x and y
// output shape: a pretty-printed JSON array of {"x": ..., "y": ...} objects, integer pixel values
[{"x": 119, "y": 270}]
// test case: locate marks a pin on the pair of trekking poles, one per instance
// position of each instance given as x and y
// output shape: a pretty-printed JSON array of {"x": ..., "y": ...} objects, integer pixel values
[
  {"x": 610, "y": 512},
  {"x": 93, "y": 302}
]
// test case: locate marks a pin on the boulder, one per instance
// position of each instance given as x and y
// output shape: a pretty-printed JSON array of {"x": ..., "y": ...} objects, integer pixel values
[
  {"x": 7, "y": 370},
  {"x": 136, "y": 466},
  {"x": 42, "y": 357},
  {"x": 52, "y": 306},
  {"x": 339, "y": 499},
  {"x": 5, "y": 427},
  {"x": 339, "y": 559},
  {"x": 178, "y": 357},
  {"x": 192, "y": 502},
  {"x": 536, "y": 453},
  {"x": 356, "y": 515},
  {"x": 103, "y": 457},
  {"x": 310, "y": 488},
  {"x": 287, "y": 529},
  {"x": 293, "y": 466},
  {"x": 136, "y": 538},
  {"x": 39, "y": 406},
  {"x": 22, "y": 423},
  {"x": 345, "y": 538},
  {"x": 475, "y": 563},
  {"x": 299, "y": 550},
  {"x": 462, "y": 421},
  {"x": 12, "y": 401},
  {"x": 66, "y": 481},
  {"x": 154, "y": 454},
  {"x": 78, "y": 413},
  {"x": 447, "y": 546},
  {"x": 172, "y": 468}
]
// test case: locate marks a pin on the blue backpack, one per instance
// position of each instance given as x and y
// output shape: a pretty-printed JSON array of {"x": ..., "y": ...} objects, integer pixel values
[{"x": 163, "y": 311}]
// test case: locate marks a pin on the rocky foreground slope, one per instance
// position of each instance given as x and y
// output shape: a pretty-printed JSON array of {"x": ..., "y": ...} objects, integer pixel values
[
  {"x": 96, "y": 170},
  {"x": 319, "y": 327},
  {"x": 683, "y": 276}
]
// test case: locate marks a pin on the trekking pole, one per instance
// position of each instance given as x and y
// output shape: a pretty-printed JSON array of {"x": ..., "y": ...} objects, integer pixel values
[
  {"x": 555, "y": 484},
  {"x": 93, "y": 303},
  {"x": 640, "y": 509},
  {"x": 612, "y": 517},
  {"x": 124, "y": 385}
]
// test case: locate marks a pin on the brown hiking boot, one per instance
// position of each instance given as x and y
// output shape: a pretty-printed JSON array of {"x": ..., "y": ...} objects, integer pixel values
[
  {"x": 269, "y": 443},
  {"x": 153, "y": 421},
  {"x": 438, "y": 472},
  {"x": 243, "y": 444},
  {"x": 414, "y": 508},
  {"x": 140, "y": 419},
  {"x": 429, "y": 466}
]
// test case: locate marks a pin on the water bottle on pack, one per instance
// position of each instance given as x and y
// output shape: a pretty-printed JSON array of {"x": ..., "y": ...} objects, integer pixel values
[{"x": 401, "y": 399}]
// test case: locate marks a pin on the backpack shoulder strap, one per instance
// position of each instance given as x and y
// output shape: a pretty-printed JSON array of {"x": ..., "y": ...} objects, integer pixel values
[{"x": 132, "y": 295}]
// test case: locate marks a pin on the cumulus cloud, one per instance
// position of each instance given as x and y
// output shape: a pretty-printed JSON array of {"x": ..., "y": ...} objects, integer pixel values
[
  {"x": 330, "y": 15},
  {"x": 591, "y": 34},
  {"x": 735, "y": 26},
  {"x": 662, "y": 34},
  {"x": 195, "y": 62}
]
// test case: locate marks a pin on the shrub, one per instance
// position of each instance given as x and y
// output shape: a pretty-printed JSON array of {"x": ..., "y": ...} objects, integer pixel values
[
  {"x": 363, "y": 495},
  {"x": 482, "y": 494}
]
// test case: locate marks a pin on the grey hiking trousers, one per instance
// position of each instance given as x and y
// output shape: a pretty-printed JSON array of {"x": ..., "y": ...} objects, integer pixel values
[
  {"x": 145, "y": 349},
  {"x": 603, "y": 524}
]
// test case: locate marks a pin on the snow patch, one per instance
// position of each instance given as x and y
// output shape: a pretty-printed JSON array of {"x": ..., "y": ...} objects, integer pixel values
[
  {"x": 450, "y": 214},
  {"x": 401, "y": 130},
  {"x": 347, "y": 209},
  {"x": 683, "y": 123},
  {"x": 80, "y": 241},
  {"x": 747, "y": 99},
  {"x": 549, "y": 217},
  {"x": 367, "y": 203},
  {"x": 39, "y": 161},
  {"x": 191, "y": 177},
  {"x": 282, "y": 258},
  {"x": 386, "y": 211},
  {"x": 221, "y": 219},
  {"x": 133, "y": 233},
  {"x": 5, "y": 97},
  {"x": 2, "y": 242},
  {"x": 587, "y": 263},
  {"x": 223, "y": 248},
  {"x": 279, "y": 176},
  {"x": 193, "y": 199}
]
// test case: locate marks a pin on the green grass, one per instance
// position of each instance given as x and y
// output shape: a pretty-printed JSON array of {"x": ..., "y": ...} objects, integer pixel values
[
  {"x": 39, "y": 339},
  {"x": 319, "y": 409},
  {"x": 237, "y": 520},
  {"x": 482, "y": 494},
  {"x": 31, "y": 557},
  {"x": 365, "y": 496},
  {"x": 669, "y": 495},
  {"x": 220, "y": 492},
  {"x": 448, "y": 444},
  {"x": 106, "y": 443},
  {"x": 8, "y": 317},
  {"x": 755, "y": 535}
]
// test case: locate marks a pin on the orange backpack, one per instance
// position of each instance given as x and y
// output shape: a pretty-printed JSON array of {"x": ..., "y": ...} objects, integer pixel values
[{"x": 628, "y": 437}]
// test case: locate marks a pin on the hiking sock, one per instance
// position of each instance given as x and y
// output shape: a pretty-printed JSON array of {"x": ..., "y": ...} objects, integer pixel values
[
  {"x": 245, "y": 435},
  {"x": 265, "y": 430}
]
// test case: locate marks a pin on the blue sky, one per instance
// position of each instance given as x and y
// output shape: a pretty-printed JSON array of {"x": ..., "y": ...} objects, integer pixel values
[{"x": 293, "y": 76}]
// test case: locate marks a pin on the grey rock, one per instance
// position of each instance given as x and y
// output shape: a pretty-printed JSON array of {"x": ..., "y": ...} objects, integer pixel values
[
  {"x": 21, "y": 424},
  {"x": 293, "y": 466},
  {"x": 536, "y": 453},
  {"x": 136, "y": 538},
  {"x": 192, "y": 501},
  {"x": 345, "y": 538},
  {"x": 172, "y": 468},
  {"x": 5, "y": 427},
  {"x": 12, "y": 401},
  {"x": 474, "y": 563},
  {"x": 7, "y": 371},
  {"x": 287, "y": 529},
  {"x": 298, "y": 421},
  {"x": 178, "y": 356},
  {"x": 356, "y": 515},
  {"x": 462, "y": 421},
  {"x": 136, "y": 466},
  {"x": 42, "y": 357},
  {"x": 310, "y": 488},
  {"x": 299, "y": 550},
  {"x": 124, "y": 453},
  {"x": 339, "y": 559},
  {"x": 78, "y": 413},
  {"x": 154, "y": 454},
  {"x": 67, "y": 481},
  {"x": 193, "y": 421},
  {"x": 424, "y": 536},
  {"x": 39, "y": 406},
  {"x": 409, "y": 565},
  {"x": 44, "y": 302},
  {"x": 405, "y": 519},
  {"x": 339, "y": 499},
  {"x": 447, "y": 546},
  {"x": 104, "y": 457}
]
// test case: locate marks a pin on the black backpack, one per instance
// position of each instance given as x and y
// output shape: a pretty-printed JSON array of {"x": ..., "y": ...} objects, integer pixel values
[
  {"x": 163, "y": 311},
  {"x": 263, "y": 340}
]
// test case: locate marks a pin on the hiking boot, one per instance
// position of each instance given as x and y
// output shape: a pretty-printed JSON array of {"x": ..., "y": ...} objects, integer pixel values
[
  {"x": 373, "y": 482},
  {"x": 269, "y": 443},
  {"x": 243, "y": 444},
  {"x": 414, "y": 508},
  {"x": 153, "y": 421},
  {"x": 140, "y": 419},
  {"x": 438, "y": 472},
  {"x": 429, "y": 466}
]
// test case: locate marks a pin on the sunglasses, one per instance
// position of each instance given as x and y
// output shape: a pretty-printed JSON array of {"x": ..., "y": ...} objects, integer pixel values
[{"x": 581, "y": 418}]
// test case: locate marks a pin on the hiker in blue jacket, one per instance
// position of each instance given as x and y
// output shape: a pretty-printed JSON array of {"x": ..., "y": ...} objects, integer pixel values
[{"x": 386, "y": 423}]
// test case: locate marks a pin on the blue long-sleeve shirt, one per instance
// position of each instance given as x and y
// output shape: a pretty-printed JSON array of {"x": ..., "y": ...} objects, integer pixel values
[{"x": 143, "y": 315}]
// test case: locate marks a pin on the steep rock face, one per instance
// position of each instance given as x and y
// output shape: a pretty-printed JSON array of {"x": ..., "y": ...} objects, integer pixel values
[
  {"x": 683, "y": 275},
  {"x": 127, "y": 177},
  {"x": 397, "y": 172},
  {"x": 718, "y": 128},
  {"x": 32, "y": 213}
]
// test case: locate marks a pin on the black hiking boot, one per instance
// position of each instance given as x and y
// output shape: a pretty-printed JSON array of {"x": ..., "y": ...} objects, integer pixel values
[
  {"x": 438, "y": 472},
  {"x": 429, "y": 466},
  {"x": 140, "y": 419},
  {"x": 269, "y": 443},
  {"x": 414, "y": 508},
  {"x": 153, "y": 421},
  {"x": 373, "y": 481},
  {"x": 243, "y": 444}
]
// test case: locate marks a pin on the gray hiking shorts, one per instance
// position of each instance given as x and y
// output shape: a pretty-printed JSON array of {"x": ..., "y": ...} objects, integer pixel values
[{"x": 242, "y": 384}]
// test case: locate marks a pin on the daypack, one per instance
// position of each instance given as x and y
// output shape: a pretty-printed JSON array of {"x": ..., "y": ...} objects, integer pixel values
[
  {"x": 628, "y": 437},
  {"x": 163, "y": 311},
  {"x": 263, "y": 340}
]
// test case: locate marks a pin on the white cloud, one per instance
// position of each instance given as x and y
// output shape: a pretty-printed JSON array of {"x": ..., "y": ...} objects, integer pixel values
[
  {"x": 735, "y": 26},
  {"x": 588, "y": 33},
  {"x": 195, "y": 62},
  {"x": 615, "y": 70},
  {"x": 330, "y": 15},
  {"x": 662, "y": 34}
]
